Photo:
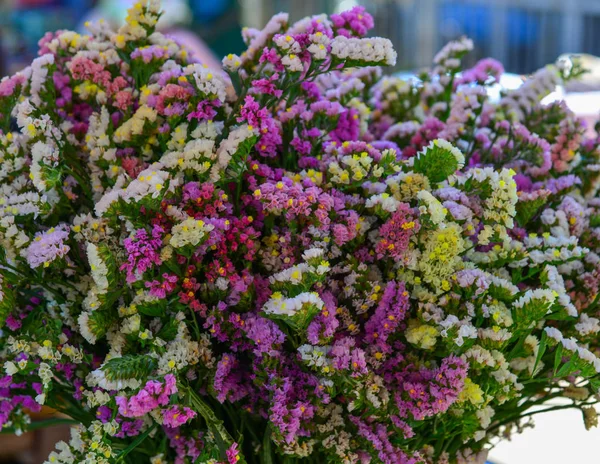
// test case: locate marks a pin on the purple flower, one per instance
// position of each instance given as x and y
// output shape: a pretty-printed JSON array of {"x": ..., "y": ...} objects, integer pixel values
[
  {"x": 143, "y": 252},
  {"x": 175, "y": 416},
  {"x": 48, "y": 246}
]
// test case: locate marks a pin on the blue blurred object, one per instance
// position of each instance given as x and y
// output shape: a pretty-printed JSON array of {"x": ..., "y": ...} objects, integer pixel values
[
  {"x": 207, "y": 11},
  {"x": 459, "y": 19}
]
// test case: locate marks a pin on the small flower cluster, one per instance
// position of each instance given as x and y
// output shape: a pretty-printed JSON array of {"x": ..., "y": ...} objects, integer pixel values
[{"x": 293, "y": 259}]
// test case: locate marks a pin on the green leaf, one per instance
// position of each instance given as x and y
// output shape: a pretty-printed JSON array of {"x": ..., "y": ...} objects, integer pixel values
[
  {"x": 557, "y": 357},
  {"x": 222, "y": 437},
  {"x": 595, "y": 220},
  {"x": 7, "y": 301},
  {"x": 168, "y": 331},
  {"x": 541, "y": 350},
  {"x": 267, "y": 453},
  {"x": 566, "y": 369},
  {"x": 129, "y": 367},
  {"x": 436, "y": 162},
  {"x": 98, "y": 323},
  {"x": 154, "y": 309},
  {"x": 527, "y": 209},
  {"x": 595, "y": 384}
]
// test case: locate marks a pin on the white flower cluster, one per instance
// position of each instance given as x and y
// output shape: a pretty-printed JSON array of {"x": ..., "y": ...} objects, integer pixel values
[
  {"x": 83, "y": 322},
  {"x": 556, "y": 283},
  {"x": 42, "y": 154},
  {"x": 372, "y": 50},
  {"x": 432, "y": 206},
  {"x": 182, "y": 351},
  {"x": 209, "y": 82},
  {"x": 280, "y": 305},
  {"x": 231, "y": 62},
  {"x": 98, "y": 267},
  {"x": 571, "y": 345},
  {"x": 257, "y": 40},
  {"x": 197, "y": 155},
  {"x": 150, "y": 182},
  {"x": 384, "y": 200},
  {"x": 39, "y": 73},
  {"x": 542, "y": 296},
  {"x": 587, "y": 325},
  {"x": 550, "y": 249},
  {"x": 315, "y": 356},
  {"x": 97, "y": 378},
  {"x": 318, "y": 46},
  {"x": 97, "y": 139},
  {"x": 86, "y": 446},
  {"x": 228, "y": 147},
  {"x": 189, "y": 233},
  {"x": 500, "y": 206},
  {"x": 447, "y": 57},
  {"x": 521, "y": 101},
  {"x": 465, "y": 329}
]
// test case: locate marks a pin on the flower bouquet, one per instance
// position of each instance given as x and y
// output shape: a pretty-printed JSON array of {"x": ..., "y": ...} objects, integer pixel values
[{"x": 293, "y": 259}]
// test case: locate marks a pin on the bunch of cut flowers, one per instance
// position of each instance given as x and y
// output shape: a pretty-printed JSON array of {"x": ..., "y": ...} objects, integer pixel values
[{"x": 292, "y": 259}]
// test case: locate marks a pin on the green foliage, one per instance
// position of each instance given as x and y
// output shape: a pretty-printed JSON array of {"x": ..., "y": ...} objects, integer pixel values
[
  {"x": 129, "y": 367},
  {"x": 437, "y": 163},
  {"x": 98, "y": 323},
  {"x": 528, "y": 209},
  {"x": 7, "y": 300},
  {"x": 168, "y": 330}
]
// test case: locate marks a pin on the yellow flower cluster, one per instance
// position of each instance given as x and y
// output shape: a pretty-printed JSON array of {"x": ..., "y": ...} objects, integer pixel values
[
  {"x": 471, "y": 393},
  {"x": 442, "y": 255},
  {"x": 189, "y": 232},
  {"x": 135, "y": 125},
  {"x": 140, "y": 17},
  {"x": 353, "y": 168},
  {"x": 422, "y": 335},
  {"x": 405, "y": 186}
]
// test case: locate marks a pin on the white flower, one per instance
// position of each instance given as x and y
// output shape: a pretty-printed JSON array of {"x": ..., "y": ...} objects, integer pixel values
[
  {"x": 554, "y": 333},
  {"x": 587, "y": 325},
  {"x": 315, "y": 356},
  {"x": 189, "y": 233},
  {"x": 231, "y": 62},
  {"x": 313, "y": 253},
  {"x": 10, "y": 368},
  {"x": 277, "y": 304},
  {"x": 372, "y": 50},
  {"x": 384, "y": 200},
  {"x": 432, "y": 206},
  {"x": 45, "y": 373},
  {"x": 84, "y": 329},
  {"x": 98, "y": 267},
  {"x": 97, "y": 378},
  {"x": 46, "y": 154},
  {"x": 292, "y": 62}
]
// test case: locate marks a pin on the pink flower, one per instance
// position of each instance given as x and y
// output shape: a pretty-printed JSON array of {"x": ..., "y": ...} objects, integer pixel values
[{"x": 174, "y": 416}]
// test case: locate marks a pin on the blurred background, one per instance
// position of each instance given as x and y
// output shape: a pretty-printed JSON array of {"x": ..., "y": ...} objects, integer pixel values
[{"x": 523, "y": 34}]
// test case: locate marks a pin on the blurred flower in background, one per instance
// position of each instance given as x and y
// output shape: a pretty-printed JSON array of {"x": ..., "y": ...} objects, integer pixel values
[{"x": 209, "y": 29}]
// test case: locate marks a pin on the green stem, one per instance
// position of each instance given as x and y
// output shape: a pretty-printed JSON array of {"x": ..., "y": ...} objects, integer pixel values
[{"x": 135, "y": 444}]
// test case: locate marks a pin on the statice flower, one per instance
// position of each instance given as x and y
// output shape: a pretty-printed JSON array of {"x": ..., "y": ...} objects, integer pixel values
[
  {"x": 294, "y": 258},
  {"x": 47, "y": 247}
]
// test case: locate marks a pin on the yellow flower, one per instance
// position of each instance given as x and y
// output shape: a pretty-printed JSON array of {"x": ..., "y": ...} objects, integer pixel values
[
  {"x": 471, "y": 392},
  {"x": 422, "y": 335}
]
